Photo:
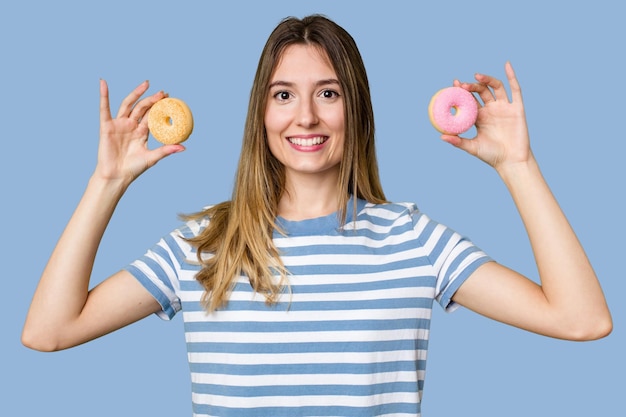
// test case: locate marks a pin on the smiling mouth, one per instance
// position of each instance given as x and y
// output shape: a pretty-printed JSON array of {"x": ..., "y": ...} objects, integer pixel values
[{"x": 318, "y": 140}]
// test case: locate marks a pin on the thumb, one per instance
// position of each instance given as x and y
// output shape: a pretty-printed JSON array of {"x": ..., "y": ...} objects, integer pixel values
[
  {"x": 467, "y": 145},
  {"x": 162, "y": 152}
]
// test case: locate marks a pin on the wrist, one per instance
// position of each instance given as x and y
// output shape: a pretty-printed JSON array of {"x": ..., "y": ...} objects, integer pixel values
[
  {"x": 515, "y": 171},
  {"x": 112, "y": 187}
]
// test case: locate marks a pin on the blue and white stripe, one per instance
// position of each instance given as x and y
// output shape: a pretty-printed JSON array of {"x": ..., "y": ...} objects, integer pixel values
[{"x": 349, "y": 338}]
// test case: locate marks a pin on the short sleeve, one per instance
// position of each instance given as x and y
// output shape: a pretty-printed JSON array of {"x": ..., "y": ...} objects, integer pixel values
[
  {"x": 158, "y": 271},
  {"x": 453, "y": 257},
  {"x": 458, "y": 266}
]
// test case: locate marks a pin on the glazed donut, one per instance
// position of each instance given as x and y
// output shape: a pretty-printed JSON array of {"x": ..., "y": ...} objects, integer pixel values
[
  {"x": 170, "y": 121},
  {"x": 452, "y": 110}
]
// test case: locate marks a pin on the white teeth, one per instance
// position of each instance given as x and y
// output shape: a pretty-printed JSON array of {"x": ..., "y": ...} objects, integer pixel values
[{"x": 307, "y": 142}]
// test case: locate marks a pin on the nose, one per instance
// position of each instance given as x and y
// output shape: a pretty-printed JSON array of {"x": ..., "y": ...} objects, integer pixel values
[{"x": 307, "y": 113}]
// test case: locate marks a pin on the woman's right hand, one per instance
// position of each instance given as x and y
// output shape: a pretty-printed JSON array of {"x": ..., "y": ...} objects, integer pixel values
[
  {"x": 64, "y": 312},
  {"x": 123, "y": 152}
]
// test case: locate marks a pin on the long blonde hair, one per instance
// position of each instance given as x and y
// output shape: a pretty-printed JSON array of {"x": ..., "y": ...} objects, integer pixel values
[{"x": 239, "y": 234}]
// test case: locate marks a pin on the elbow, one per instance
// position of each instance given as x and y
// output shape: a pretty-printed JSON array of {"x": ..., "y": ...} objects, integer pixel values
[
  {"x": 39, "y": 341},
  {"x": 600, "y": 330},
  {"x": 591, "y": 330}
]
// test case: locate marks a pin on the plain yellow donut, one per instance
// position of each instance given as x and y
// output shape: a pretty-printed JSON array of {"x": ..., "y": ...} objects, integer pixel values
[{"x": 170, "y": 121}]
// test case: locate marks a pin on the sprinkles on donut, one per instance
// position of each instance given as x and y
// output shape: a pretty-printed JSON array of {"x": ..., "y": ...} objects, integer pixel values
[{"x": 453, "y": 110}]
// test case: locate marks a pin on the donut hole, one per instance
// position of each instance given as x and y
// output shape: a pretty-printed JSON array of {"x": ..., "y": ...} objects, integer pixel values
[
  {"x": 169, "y": 121},
  {"x": 454, "y": 110}
]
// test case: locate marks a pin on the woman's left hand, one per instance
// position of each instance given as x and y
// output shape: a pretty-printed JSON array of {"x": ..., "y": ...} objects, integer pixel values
[
  {"x": 502, "y": 133},
  {"x": 569, "y": 302}
]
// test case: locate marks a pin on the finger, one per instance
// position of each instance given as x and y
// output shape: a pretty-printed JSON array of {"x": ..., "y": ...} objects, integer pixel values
[
  {"x": 468, "y": 145},
  {"x": 142, "y": 107},
  {"x": 467, "y": 87},
  {"x": 516, "y": 90},
  {"x": 497, "y": 87},
  {"x": 163, "y": 151},
  {"x": 105, "y": 109},
  {"x": 127, "y": 104},
  {"x": 483, "y": 91}
]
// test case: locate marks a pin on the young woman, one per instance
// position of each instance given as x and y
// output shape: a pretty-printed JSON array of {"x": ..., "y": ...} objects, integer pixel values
[{"x": 308, "y": 293}]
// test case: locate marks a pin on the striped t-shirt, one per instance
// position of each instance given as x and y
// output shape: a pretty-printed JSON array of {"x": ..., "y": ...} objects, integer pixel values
[{"x": 350, "y": 337}]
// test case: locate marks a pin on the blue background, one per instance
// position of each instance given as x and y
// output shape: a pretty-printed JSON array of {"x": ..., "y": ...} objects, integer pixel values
[{"x": 569, "y": 62}]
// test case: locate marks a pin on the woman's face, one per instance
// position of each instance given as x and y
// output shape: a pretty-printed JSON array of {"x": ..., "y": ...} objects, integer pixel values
[{"x": 304, "y": 118}]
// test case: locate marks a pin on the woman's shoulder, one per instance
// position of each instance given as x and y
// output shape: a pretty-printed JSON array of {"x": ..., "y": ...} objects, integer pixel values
[
  {"x": 194, "y": 223},
  {"x": 388, "y": 216},
  {"x": 389, "y": 210}
]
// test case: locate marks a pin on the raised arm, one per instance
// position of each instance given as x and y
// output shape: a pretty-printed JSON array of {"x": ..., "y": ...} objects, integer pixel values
[
  {"x": 569, "y": 302},
  {"x": 63, "y": 312}
]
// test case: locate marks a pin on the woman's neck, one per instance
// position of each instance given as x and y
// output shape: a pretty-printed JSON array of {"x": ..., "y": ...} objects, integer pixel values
[{"x": 308, "y": 197}]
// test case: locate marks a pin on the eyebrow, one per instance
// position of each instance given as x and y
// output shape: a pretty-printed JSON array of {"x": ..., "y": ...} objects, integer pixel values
[{"x": 317, "y": 84}]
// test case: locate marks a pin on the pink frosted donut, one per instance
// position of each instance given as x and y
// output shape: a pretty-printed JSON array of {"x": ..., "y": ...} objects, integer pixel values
[{"x": 452, "y": 110}]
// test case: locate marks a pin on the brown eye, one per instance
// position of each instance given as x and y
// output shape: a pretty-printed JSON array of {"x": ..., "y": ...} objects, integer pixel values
[
  {"x": 282, "y": 95},
  {"x": 329, "y": 94}
]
